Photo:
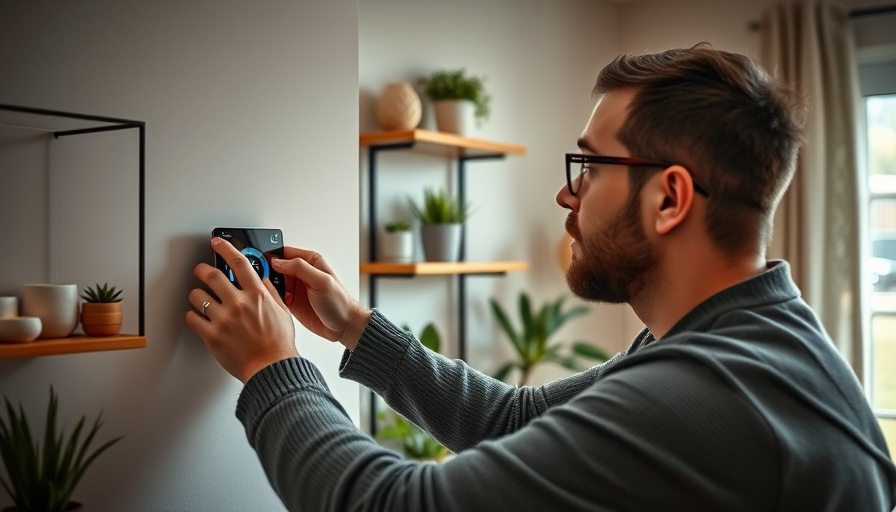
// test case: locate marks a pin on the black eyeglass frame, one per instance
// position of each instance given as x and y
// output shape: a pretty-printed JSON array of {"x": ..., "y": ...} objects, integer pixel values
[{"x": 581, "y": 159}]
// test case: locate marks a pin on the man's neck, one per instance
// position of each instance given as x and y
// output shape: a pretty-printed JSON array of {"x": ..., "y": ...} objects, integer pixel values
[{"x": 685, "y": 285}]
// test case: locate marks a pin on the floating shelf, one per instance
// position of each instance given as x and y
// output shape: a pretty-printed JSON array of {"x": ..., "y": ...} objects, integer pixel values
[
  {"x": 441, "y": 143},
  {"x": 443, "y": 268},
  {"x": 69, "y": 124},
  {"x": 71, "y": 345}
]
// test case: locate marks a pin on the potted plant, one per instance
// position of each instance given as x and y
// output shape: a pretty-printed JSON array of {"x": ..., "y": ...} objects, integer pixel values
[
  {"x": 101, "y": 311},
  {"x": 397, "y": 242},
  {"x": 414, "y": 442},
  {"x": 441, "y": 217},
  {"x": 532, "y": 341},
  {"x": 458, "y": 100},
  {"x": 42, "y": 478}
]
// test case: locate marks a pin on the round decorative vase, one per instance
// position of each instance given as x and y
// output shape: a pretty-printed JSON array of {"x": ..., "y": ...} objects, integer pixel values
[
  {"x": 399, "y": 107},
  {"x": 397, "y": 247},
  {"x": 55, "y": 304},
  {"x": 441, "y": 242},
  {"x": 455, "y": 116},
  {"x": 101, "y": 318}
]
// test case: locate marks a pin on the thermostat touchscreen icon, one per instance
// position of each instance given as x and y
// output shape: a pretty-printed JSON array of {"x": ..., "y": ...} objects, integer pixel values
[{"x": 258, "y": 262}]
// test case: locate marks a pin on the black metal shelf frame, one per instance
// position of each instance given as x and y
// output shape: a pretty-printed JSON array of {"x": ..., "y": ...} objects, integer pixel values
[
  {"x": 372, "y": 153},
  {"x": 107, "y": 124}
]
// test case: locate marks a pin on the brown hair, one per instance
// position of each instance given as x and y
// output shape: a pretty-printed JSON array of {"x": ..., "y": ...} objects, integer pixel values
[{"x": 724, "y": 118}]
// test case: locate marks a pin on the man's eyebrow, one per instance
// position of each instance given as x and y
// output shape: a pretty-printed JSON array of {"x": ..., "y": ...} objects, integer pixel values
[{"x": 584, "y": 145}]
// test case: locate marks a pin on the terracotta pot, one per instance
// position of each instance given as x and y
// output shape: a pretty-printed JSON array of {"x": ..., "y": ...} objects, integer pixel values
[{"x": 101, "y": 318}]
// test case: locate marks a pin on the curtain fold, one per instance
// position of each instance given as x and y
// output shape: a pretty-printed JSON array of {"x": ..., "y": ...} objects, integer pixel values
[{"x": 809, "y": 44}]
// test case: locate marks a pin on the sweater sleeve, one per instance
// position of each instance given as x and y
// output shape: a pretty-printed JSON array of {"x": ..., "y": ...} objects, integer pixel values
[
  {"x": 623, "y": 444},
  {"x": 455, "y": 403}
]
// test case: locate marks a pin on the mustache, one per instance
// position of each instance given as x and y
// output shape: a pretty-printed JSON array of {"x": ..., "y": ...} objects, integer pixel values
[{"x": 572, "y": 226}]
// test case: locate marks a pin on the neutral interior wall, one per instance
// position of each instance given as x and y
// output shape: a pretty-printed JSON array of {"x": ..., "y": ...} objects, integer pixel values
[{"x": 251, "y": 115}]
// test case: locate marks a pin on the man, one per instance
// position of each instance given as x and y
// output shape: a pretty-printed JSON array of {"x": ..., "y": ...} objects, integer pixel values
[{"x": 731, "y": 398}]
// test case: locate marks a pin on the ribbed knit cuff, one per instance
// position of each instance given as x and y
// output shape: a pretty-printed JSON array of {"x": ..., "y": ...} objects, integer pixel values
[
  {"x": 274, "y": 382},
  {"x": 378, "y": 355}
]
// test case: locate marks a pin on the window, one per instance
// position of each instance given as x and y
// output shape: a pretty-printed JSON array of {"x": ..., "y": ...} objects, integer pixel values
[{"x": 878, "y": 81}]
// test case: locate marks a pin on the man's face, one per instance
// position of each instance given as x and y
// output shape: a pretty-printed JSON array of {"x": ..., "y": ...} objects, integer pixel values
[{"x": 611, "y": 255}]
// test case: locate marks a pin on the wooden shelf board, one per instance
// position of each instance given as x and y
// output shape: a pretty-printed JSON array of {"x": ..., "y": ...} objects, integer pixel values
[
  {"x": 441, "y": 143},
  {"x": 72, "y": 345},
  {"x": 443, "y": 268}
]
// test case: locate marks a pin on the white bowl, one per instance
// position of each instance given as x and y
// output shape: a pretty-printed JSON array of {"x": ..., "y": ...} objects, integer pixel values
[{"x": 19, "y": 329}]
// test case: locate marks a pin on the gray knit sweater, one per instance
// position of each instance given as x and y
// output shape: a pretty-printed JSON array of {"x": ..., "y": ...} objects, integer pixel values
[{"x": 744, "y": 405}]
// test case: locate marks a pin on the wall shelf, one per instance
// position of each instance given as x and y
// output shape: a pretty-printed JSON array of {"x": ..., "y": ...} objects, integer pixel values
[
  {"x": 17, "y": 116},
  {"x": 443, "y": 268},
  {"x": 72, "y": 345},
  {"x": 442, "y": 145}
]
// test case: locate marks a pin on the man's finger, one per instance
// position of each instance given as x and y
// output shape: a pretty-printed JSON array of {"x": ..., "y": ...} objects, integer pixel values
[{"x": 238, "y": 263}]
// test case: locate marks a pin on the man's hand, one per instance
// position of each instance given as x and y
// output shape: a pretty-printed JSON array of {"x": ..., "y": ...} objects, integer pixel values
[
  {"x": 319, "y": 300},
  {"x": 245, "y": 329}
]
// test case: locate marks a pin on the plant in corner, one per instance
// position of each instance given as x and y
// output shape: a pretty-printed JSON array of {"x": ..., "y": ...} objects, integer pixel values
[
  {"x": 447, "y": 89},
  {"x": 532, "y": 341},
  {"x": 442, "y": 217},
  {"x": 101, "y": 312},
  {"x": 42, "y": 478},
  {"x": 415, "y": 443}
]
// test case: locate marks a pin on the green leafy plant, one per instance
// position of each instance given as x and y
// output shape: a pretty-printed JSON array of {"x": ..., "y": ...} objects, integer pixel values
[
  {"x": 104, "y": 293},
  {"x": 439, "y": 208},
  {"x": 532, "y": 341},
  {"x": 42, "y": 478},
  {"x": 398, "y": 226},
  {"x": 415, "y": 443},
  {"x": 457, "y": 85}
]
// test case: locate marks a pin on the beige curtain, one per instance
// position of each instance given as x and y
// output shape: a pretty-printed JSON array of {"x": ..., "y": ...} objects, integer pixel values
[{"x": 809, "y": 44}]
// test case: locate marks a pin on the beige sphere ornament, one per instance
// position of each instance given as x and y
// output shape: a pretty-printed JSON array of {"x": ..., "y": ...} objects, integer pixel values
[{"x": 399, "y": 107}]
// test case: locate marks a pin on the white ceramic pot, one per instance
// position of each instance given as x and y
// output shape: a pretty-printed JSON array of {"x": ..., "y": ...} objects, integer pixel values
[
  {"x": 19, "y": 329},
  {"x": 399, "y": 107},
  {"x": 455, "y": 116},
  {"x": 9, "y": 306},
  {"x": 397, "y": 247},
  {"x": 56, "y": 305}
]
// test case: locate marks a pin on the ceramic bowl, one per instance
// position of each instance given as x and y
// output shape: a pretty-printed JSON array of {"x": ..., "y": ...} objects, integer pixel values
[{"x": 19, "y": 329}]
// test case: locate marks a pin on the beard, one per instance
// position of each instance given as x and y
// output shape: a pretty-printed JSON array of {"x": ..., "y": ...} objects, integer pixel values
[{"x": 614, "y": 264}]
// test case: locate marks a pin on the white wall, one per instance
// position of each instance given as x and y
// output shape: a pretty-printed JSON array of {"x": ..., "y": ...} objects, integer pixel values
[{"x": 251, "y": 115}]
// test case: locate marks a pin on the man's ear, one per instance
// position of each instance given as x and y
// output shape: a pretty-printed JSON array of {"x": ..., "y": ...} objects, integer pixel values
[{"x": 675, "y": 197}]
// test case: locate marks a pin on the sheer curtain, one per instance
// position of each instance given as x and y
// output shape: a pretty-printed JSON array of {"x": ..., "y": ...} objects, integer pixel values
[{"x": 809, "y": 44}]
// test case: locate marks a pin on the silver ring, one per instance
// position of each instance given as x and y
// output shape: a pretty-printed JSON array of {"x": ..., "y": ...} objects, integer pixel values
[{"x": 205, "y": 306}]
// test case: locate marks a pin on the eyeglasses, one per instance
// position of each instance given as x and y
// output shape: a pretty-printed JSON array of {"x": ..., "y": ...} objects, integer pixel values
[{"x": 574, "y": 178}]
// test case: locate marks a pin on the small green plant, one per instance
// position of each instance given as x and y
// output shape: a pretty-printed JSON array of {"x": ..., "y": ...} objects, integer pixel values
[
  {"x": 457, "y": 85},
  {"x": 398, "y": 226},
  {"x": 532, "y": 341},
  {"x": 439, "y": 208},
  {"x": 415, "y": 442},
  {"x": 42, "y": 478},
  {"x": 104, "y": 293}
]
